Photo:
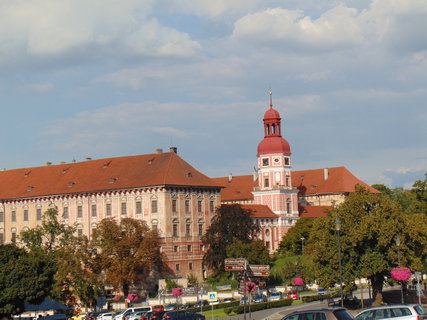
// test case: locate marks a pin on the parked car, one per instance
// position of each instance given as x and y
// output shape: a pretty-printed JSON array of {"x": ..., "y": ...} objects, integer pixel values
[
  {"x": 215, "y": 302},
  {"x": 171, "y": 306},
  {"x": 135, "y": 315},
  {"x": 397, "y": 312},
  {"x": 320, "y": 313},
  {"x": 158, "y": 308},
  {"x": 244, "y": 300},
  {"x": 229, "y": 300},
  {"x": 322, "y": 291},
  {"x": 201, "y": 303},
  {"x": 105, "y": 316},
  {"x": 293, "y": 295},
  {"x": 275, "y": 296},
  {"x": 187, "y": 305},
  {"x": 183, "y": 315},
  {"x": 123, "y": 314},
  {"x": 259, "y": 298}
]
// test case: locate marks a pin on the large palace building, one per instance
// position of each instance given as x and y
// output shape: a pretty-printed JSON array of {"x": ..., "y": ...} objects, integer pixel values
[{"x": 161, "y": 189}]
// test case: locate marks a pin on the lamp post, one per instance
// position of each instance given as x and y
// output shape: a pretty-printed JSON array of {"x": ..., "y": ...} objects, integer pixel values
[
  {"x": 302, "y": 245},
  {"x": 398, "y": 259},
  {"x": 338, "y": 228}
]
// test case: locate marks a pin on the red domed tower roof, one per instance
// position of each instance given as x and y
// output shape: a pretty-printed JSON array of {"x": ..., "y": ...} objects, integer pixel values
[{"x": 273, "y": 141}]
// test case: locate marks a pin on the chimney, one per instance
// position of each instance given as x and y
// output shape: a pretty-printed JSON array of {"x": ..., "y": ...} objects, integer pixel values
[
  {"x": 173, "y": 149},
  {"x": 230, "y": 177},
  {"x": 48, "y": 163},
  {"x": 326, "y": 173},
  {"x": 88, "y": 158},
  {"x": 159, "y": 150}
]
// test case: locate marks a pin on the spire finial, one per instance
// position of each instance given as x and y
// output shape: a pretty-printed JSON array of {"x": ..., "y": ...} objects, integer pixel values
[{"x": 271, "y": 99}]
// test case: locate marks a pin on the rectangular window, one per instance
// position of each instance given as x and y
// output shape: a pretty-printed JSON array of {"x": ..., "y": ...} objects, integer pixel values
[
  {"x": 65, "y": 214},
  {"x": 189, "y": 248},
  {"x": 124, "y": 208},
  {"x": 175, "y": 248},
  {"x": 79, "y": 212},
  {"x": 211, "y": 206},
  {"x": 39, "y": 214},
  {"x": 177, "y": 267},
  {"x": 153, "y": 206},
  {"x": 13, "y": 237},
  {"x": 190, "y": 266},
  {"x": 200, "y": 229},
  {"x": 187, "y": 229},
  {"x": 1, "y": 238},
  {"x": 94, "y": 210},
  {"x": 108, "y": 209},
  {"x": 266, "y": 182},
  {"x": 286, "y": 161},
  {"x": 154, "y": 227},
  {"x": 13, "y": 216},
  {"x": 1, "y": 217},
  {"x": 287, "y": 181},
  {"x": 80, "y": 232},
  {"x": 174, "y": 205},
  {"x": 25, "y": 214},
  {"x": 187, "y": 206},
  {"x": 138, "y": 207},
  {"x": 199, "y": 206},
  {"x": 175, "y": 230}
]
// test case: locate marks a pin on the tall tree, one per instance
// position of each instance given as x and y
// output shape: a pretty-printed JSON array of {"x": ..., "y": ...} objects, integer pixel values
[
  {"x": 297, "y": 236},
  {"x": 419, "y": 191},
  {"x": 128, "y": 252},
  {"x": 254, "y": 251},
  {"x": 23, "y": 277},
  {"x": 229, "y": 222},
  {"x": 369, "y": 226}
]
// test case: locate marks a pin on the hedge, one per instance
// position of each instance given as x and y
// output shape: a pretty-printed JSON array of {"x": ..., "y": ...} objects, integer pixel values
[{"x": 215, "y": 306}]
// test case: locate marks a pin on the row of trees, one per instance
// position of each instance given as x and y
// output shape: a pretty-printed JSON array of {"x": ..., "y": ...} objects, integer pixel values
[{"x": 55, "y": 263}]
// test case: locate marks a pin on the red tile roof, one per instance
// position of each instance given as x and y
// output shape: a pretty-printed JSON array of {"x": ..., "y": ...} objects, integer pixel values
[
  {"x": 147, "y": 170},
  {"x": 239, "y": 188},
  {"x": 340, "y": 180},
  {"x": 259, "y": 210},
  {"x": 313, "y": 211}
]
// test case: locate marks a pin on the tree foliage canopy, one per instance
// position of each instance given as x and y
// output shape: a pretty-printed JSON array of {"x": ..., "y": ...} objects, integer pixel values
[
  {"x": 369, "y": 226},
  {"x": 230, "y": 222},
  {"x": 23, "y": 277},
  {"x": 291, "y": 243},
  {"x": 127, "y": 252},
  {"x": 254, "y": 251}
]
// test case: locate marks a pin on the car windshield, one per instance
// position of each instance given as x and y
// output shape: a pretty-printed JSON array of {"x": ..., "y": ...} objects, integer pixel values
[
  {"x": 342, "y": 315},
  {"x": 419, "y": 309}
]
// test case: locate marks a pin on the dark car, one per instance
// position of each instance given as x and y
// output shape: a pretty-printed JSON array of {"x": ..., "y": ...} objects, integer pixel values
[
  {"x": 153, "y": 315},
  {"x": 320, "y": 314},
  {"x": 187, "y": 305},
  {"x": 259, "y": 298},
  {"x": 183, "y": 315},
  {"x": 201, "y": 303},
  {"x": 171, "y": 306}
]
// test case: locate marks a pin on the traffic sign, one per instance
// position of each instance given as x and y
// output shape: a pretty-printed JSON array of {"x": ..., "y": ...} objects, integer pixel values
[
  {"x": 235, "y": 264},
  {"x": 212, "y": 296},
  {"x": 259, "y": 270},
  {"x": 235, "y": 261},
  {"x": 234, "y": 267}
]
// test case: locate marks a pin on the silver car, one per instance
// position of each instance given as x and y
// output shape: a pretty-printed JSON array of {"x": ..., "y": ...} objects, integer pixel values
[{"x": 395, "y": 312}]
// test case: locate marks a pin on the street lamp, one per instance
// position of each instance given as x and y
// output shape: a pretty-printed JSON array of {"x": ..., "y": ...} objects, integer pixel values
[
  {"x": 337, "y": 228},
  {"x": 302, "y": 245},
  {"x": 398, "y": 259}
]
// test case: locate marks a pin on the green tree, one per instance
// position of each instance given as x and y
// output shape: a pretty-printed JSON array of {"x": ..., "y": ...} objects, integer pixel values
[
  {"x": 23, "y": 277},
  {"x": 229, "y": 222},
  {"x": 369, "y": 226},
  {"x": 297, "y": 236},
  {"x": 254, "y": 251},
  {"x": 128, "y": 252},
  {"x": 419, "y": 191}
]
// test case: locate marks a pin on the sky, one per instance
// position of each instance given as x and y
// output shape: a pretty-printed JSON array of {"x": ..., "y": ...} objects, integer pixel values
[{"x": 109, "y": 78}]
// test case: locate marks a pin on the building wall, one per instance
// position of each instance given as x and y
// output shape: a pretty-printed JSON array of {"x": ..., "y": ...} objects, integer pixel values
[{"x": 183, "y": 250}]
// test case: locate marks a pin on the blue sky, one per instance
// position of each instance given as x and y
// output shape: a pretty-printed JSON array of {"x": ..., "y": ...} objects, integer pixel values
[{"x": 105, "y": 78}]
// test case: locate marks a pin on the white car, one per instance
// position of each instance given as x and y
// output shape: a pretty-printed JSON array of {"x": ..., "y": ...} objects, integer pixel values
[
  {"x": 275, "y": 296},
  {"x": 395, "y": 312},
  {"x": 123, "y": 314}
]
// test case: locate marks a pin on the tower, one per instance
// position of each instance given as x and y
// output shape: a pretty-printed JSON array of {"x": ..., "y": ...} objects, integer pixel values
[{"x": 274, "y": 174}]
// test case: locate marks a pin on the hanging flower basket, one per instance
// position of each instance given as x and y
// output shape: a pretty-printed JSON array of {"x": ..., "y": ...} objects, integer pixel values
[
  {"x": 132, "y": 297},
  {"x": 250, "y": 286},
  {"x": 177, "y": 292},
  {"x": 298, "y": 281},
  {"x": 401, "y": 274}
]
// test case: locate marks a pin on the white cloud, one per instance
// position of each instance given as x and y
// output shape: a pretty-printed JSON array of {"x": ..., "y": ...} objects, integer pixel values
[
  {"x": 37, "y": 87},
  {"x": 171, "y": 132},
  {"x": 291, "y": 29}
]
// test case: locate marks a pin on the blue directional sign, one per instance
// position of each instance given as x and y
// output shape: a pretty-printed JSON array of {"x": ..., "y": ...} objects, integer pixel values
[{"x": 212, "y": 296}]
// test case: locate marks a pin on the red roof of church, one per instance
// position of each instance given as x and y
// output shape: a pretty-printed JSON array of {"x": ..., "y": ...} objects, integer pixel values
[
  {"x": 259, "y": 210},
  {"x": 147, "y": 170},
  {"x": 314, "y": 211},
  {"x": 339, "y": 180}
]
